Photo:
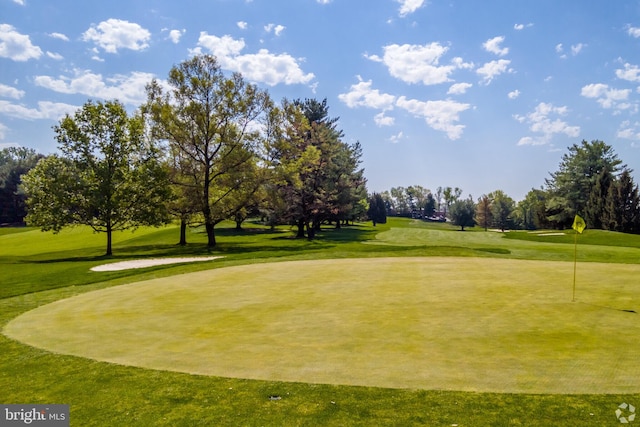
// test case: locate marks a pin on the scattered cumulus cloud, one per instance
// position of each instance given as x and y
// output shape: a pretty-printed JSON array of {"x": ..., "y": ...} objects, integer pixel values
[
  {"x": 276, "y": 29},
  {"x": 633, "y": 31},
  {"x": 577, "y": 48},
  {"x": 242, "y": 25},
  {"x": 55, "y": 56},
  {"x": 16, "y": 46},
  {"x": 46, "y": 110},
  {"x": 263, "y": 66},
  {"x": 628, "y": 130},
  {"x": 383, "y": 120},
  {"x": 407, "y": 7},
  {"x": 114, "y": 34},
  {"x": 10, "y": 92},
  {"x": 397, "y": 138},
  {"x": 130, "y": 89},
  {"x": 324, "y": 1},
  {"x": 545, "y": 122},
  {"x": 442, "y": 115},
  {"x": 493, "y": 46},
  {"x": 176, "y": 35},
  {"x": 362, "y": 95},
  {"x": 520, "y": 27},
  {"x": 607, "y": 97},
  {"x": 630, "y": 73},
  {"x": 20, "y": 2},
  {"x": 492, "y": 69},
  {"x": 419, "y": 63},
  {"x": 59, "y": 36},
  {"x": 459, "y": 88},
  {"x": 514, "y": 94}
]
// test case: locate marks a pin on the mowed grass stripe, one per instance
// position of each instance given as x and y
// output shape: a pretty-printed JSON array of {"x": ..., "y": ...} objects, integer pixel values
[{"x": 473, "y": 324}]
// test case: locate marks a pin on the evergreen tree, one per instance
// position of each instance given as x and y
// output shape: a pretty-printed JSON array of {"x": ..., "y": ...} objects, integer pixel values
[{"x": 377, "y": 211}]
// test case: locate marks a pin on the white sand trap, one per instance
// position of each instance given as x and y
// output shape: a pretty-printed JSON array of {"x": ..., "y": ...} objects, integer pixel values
[
  {"x": 152, "y": 262},
  {"x": 550, "y": 234}
]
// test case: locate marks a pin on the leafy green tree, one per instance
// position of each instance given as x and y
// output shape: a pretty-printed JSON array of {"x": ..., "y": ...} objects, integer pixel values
[
  {"x": 570, "y": 186},
  {"x": 213, "y": 121},
  {"x": 595, "y": 209},
  {"x": 377, "y": 211},
  {"x": 450, "y": 195},
  {"x": 417, "y": 195},
  {"x": 622, "y": 211},
  {"x": 502, "y": 207},
  {"x": 14, "y": 162},
  {"x": 531, "y": 212},
  {"x": 108, "y": 175},
  {"x": 429, "y": 206},
  {"x": 462, "y": 213},
  {"x": 484, "y": 217}
]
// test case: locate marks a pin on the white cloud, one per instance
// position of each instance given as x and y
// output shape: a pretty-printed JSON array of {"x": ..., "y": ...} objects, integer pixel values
[
  {"x": 629, "y": 130},
  {"x": 633, "y": 31},
  {"x": 514, "y": 94},
  {"x": 459, "y": 88},
  {"x": 59, "y": 36},
  {"x": 45, "y": 110},
  {"x": 519, "y": 27},
  {"x": 606, "y": 96},
  {"x": 409, "y": 6},
  {"x": 419, "y": 63},
  {"x": 20, "y": 2},
  {"x": 10, "y": 92},
  {"x": 242, "y": 25},
  {"x": 541, "y": 121},
  {"x": 577, "y": 48},
  {"x": 382, "y": 120},
  {"x": 493, "y": 46},
  {"x": 492, "y": 69},
  {"x": 114, "y": 34},
  {"x": 55, "y": 56},
  {"x": 439, "y": 115},
  {"x": 263, "y": 66},
  {"x": 397, "y": 138},
  {"x": 559, "y": 48},
  {"x": 16, "y": 46},
  {"x": 361, "y": 95},
  {"x": 324, "y": 1},
  {"x": 277, "y": 29},
  {"x": 630, "y": 73},
  {"x": 176, "y": 35},
  {"x": 129, "y": 89}
]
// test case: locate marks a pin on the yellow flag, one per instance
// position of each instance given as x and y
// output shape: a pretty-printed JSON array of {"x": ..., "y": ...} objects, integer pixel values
[{"x": 578, "y": 224}]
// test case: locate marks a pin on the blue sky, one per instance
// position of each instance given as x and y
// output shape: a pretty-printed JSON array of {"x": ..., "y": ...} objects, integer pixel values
[{"x": 476, "y": 95}]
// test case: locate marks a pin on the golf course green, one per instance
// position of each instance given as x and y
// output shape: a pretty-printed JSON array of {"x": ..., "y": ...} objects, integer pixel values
[{"x": 435, "y": 323}]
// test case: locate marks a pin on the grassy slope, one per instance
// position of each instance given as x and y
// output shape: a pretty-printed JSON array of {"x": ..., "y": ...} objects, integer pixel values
[{"x": 36, "y": 268}]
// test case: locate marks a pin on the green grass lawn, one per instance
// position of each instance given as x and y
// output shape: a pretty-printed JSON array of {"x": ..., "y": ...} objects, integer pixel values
[{"x": 40, "y": 268}]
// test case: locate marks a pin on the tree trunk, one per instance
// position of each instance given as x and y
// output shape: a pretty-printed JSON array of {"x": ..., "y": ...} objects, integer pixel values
[
  {"x": 311, "y": 231},
  {"x": 109, "y": 241},
  {"x": 238, "y": 225},
  {"x": 183, "y": 233},
  {"x": 211, "y": 234},
  {"x": 300, "y": 228}
]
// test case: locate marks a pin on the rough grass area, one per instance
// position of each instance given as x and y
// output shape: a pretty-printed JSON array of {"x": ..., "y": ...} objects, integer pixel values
[{"x": 40, "y": 268}]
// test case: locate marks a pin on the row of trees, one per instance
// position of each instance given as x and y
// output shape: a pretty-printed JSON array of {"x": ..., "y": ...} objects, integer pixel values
[
  {"x": 591, "y": 181},
  {"x": 203, "y": 148}
]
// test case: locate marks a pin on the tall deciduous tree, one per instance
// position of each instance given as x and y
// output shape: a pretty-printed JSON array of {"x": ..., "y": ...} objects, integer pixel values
[
  {"x": 108, "y": 175},
  {"x": 14, "y": 162},
  {"x": 502, "y": 207},
  {"x": 462, "y": 213},
  {"x": 212, "y": 121},
  {"x": 483, "y": 212}
]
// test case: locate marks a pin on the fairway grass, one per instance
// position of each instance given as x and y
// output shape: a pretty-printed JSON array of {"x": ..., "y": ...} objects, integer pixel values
[{"x": 445, "y": 323}]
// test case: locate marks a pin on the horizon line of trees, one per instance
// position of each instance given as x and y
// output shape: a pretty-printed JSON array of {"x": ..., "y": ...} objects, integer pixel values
[{"x": 591, "y": 181}]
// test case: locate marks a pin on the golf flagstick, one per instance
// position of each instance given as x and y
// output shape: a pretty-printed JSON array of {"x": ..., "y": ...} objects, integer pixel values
[{"x": 579, "y": 225}]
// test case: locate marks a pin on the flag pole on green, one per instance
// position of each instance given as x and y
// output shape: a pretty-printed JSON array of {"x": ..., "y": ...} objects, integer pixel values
[{"x": 579, "y": 225}]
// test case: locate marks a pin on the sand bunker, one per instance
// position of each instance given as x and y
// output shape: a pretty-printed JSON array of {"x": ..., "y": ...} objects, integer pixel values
[{"x": 152, "y": 262}]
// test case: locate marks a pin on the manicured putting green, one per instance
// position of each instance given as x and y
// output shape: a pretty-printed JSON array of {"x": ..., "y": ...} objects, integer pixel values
[{"x": 431, "y": 323}]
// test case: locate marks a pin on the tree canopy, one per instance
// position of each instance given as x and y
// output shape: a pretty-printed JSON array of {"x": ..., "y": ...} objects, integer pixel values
[{"x": 108, "y": 176}]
